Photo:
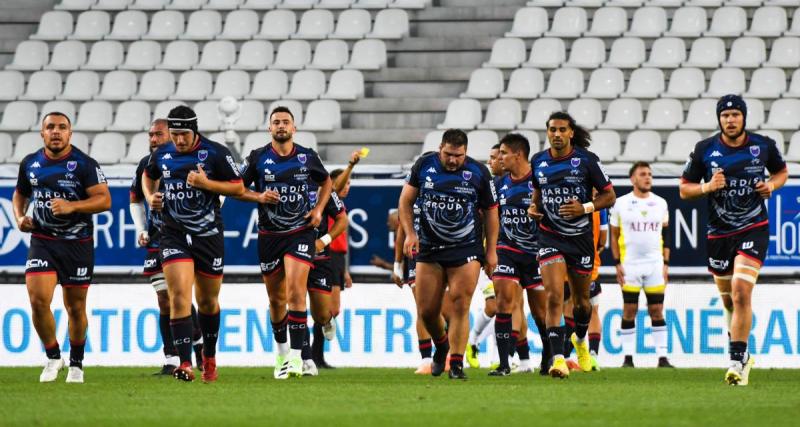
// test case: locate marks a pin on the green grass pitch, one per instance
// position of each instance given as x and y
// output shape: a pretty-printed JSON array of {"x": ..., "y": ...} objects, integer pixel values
[{"x": 379, "y": 397}]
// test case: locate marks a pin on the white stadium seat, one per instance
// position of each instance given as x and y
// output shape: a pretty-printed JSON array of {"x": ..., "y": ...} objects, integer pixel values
[
  {"x": 686, "y": 83},
  {"x": 108, "y": 148},
  {"x": 105, "y": 55},
  {"x": 605, "y": 83},
  {"x": 315, "y": 24},
  {"x": 142, "y": 55},
  {"x": 568, "y": 22},
  {"x": 194, "y": 85},
  {"x": 217, "y": 55},
  {"x": 27, "y": 143},
  {"x": 648, "y": 22},
  {"x": 12, "y": 85},
  {"x": 81, "y": 86},
  {"x": 148, "y": 4},
  {"x": 747, "y": 52},
  {"x": 767, "y": 83},
  {"x": 19, "y": 116},
  {"x": 165, "y": 25},
  {"x": 667, "y": 52},
  {"x": 345, "y": 85},
  {"x": 724, "y": 81},
  {"x": 462, "y": 114},
  {"x": 156, "y": 85},
  {"x": 708, "y": 52},
  {"x": 131, "y": 116},
  {"x": 547, "y": 52},
  {"x": 278, "y": 25},
  {"x": 111, "y": 4},
  {"x": 334, "y": 4},
  {"x": 502, "y": 114},
  {"x": 690, "y": 21},
  {"x": 433, "y": 140},
  {"x": 75, "y": 4},
  {"x": 728, "y": 21},
  {"x": 255, "y": 55},
  {"x": 323, "y": 115},
  {"x": 129, "y": 25},
  {"x": 6, "y": 146},
  {"x": 537, "y": 113},
  {"x": 118, "y": 85},
  {"x": 605, "y": 144},
  {"x": 587, "y": 112},
  {"x": 306, "y": 85},
  {"x": 235, "y": 83},
  {"x": 641, "y": 145},
  {"x": 240, "y": 25},
  {"x": 480, "y": 142},
  {"x": 260, "y": 4},
  {"x": 208, "y": 119},
  {"x": 67, "y": 55},
  {"x": 507, "y": 53},
  {"x": 755, "y": 113},
  {"x": 608, "y": 22},
  {"x": 529, "y": 22},
  {"x": 269, "y": 84},
  {"x": 680, "y": 144},
  {"x": 297, "y": 4},
  {"x": 252, "y": 115},
  {"x": 94, "y": 116},
  {"x": 794, "y": 86},
  {"x": 179, "y": 55},
  {"x": 785, "y": 53},
  {"x": 390, "y": 24},
  {"x": 203, "y": 25},
  {"x": 368, "y": 55},
  {"x": 794, "y": 30},
  {"x": 768, "y": 21},
  {"x": 623, "y": 114},
  {"x": 627, "y": 52},
  {"x": 793, "y": 152},
  {"x": 352, "y": 24},
  {"x": 702, "y": 115},
  {"x": 484, "y": 83},
  {"x": 306, "y": 139},
  {"x": 92, "y": 25},
  {"x": 292, "y": 55},
  {"x": 524, "y": 83},
  {"x": 776, "y": 136},
  {"x": 186, "y": 4},
  {"x": 54, "y": 25},
  {"x": 663, "y": 114},
  {"x": 30, "y": 55},
  {"x": 564, "y": 83},
  {"x": 371, "y": 4},
  {"x": 587, "y": 52},
  {"x": 329, "y": 55},
  {"x": 645, "y": 83},
  {"x": 42, "y": 86},
  {"x": 784, "y": 114}
]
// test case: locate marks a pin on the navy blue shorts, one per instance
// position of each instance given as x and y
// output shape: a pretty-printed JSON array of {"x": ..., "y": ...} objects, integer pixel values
[
  {"x": 409, "y": 270},
  {"x": 751, "y": 244},
  {"x": 71, "y": 260},
  {"x": 577, "y": 251},
  {"x": 451, "y": 257},
  {"x": 518, "y": 266},
  {"x": 152, "y": 262},
  {"x": 272, "y": 249},
  {"x": 319, "y": 278},
  {"x": 338, "y": 267},
  {"x": 206, "y": 252}
]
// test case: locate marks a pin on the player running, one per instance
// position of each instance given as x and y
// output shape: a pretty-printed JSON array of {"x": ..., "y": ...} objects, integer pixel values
[
  {"x": 65, "y": 187},
  {"x": 732, "y": 165},
  {"x": 452, "y": 191},
  {"x": 148, "y": 225},
  {"x": 640, "y": 248},
  {"x": 563, "y": 178},
  {"x": 280, "y": 173},
  {"x": 517, "y": 248},
  {"x": 184, "y": 181}
]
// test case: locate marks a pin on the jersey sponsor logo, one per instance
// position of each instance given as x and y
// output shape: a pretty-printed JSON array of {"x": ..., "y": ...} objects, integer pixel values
[
  {"x": 530, "y": 186},
  {"x": 32, "y": 178},
  {"x": 428, "y": 182},
  {"x": 81, "y": 271},
  {"x": 217, "y": 262},
  {"x": 170, "y": 252},
  {"x": 585, "y": 260},
  {"x": 150, "y": 263},
  {"x": 747, "y": 245},
  {"x": 715, "y": 153},
  {"x": 755, "y": 150},
  {"x": 166, "y": 157},
  {"x": 542, "y": 178},
  {"x": 718, "y": 264},
  {"x": 72, "y": 165},
  {"x": 575, "y": 162},
  {"x": 268, "y": 266},
  {"x": 101, "y": 177},
  {"x": 232, "y": 164},
  {"x": 504, "y": 269},
  {"x": 36, "y": 263},
  {"x": 467, "y": 175},
  {"x": 302, "y": 248},
  {"x": 302, "y": 158},
  {"x": 431, "y": 170},
  {"x": 202, "y": 155}
]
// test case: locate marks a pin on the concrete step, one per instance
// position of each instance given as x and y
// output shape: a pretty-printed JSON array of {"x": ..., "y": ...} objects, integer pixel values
[
  {"x": 458, "y": 28},
  {"x": 484, "y": 12},
  {"x": 480, "y": 3},
  {"x": 445, "y": 43},
  {"x": 441, "y": 59},
  {"x": 417, "y": 89},
  {"x": 383, "y": 120}
]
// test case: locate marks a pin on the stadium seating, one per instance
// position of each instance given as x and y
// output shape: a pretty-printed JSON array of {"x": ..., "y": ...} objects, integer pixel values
[
  {"x": 19, "y": 116},
  {"x": 254, "y": 55},
  {"x": 538, "y": 112},
  {"x": 502, "y": 114},
  {"x": 94, "y": 116},
  {"x": 54, "y": 25},
  {"x": 484, "y": 83},
  {"x": 12, "y": 85},
  {"x": 462, "y": 114},
  {"x": 524, "y": 83},
  {"x": 118, "y": 86},
  {"x": 129, "y": 25},
  {"x": 345, "y": 85},
  {"x": 480, "y": 142},
  {"x": 217, "y": 56},
  {"x": 105, "y": 55},
  {"x": 329, "y": 55},
  {"x": 81, "y": 86},
  {"x": 269, "y": 84},
  {"x": 529, "y": 22},
  {"x": 322, "y": 115}
]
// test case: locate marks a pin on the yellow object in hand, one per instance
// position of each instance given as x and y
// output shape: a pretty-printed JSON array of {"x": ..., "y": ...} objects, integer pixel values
[{"x": 364, "y": 152}]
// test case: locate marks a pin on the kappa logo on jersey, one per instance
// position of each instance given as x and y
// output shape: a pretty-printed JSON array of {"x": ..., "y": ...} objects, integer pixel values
[
  {"x": 543, "y": 164},
  {"x": 202, "y": 155},
  {"x": 269, "y": 162},
  {"x": 36, "y": 165},
  {"x": 36, "y": 263},
  {"x": 166, "y": 157},
  {"x": 715, "y": 153},
  {"x": 431, "y": 170}
]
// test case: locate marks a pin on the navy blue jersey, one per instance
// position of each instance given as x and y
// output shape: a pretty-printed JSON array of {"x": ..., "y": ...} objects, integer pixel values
[
  {"x": 333, "y": 208},
  {"x": 187, "y": 209},
  {"x": 518, "y": 231},
  {"x": 154, "y": 219},
  {"x": 560, "y": 180},
  {"x": 42, "y": 179},
  {"x": 265, "y": 169},
  {"x": 449, "y": 201},
  {"x": 738, "y": 206}
]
